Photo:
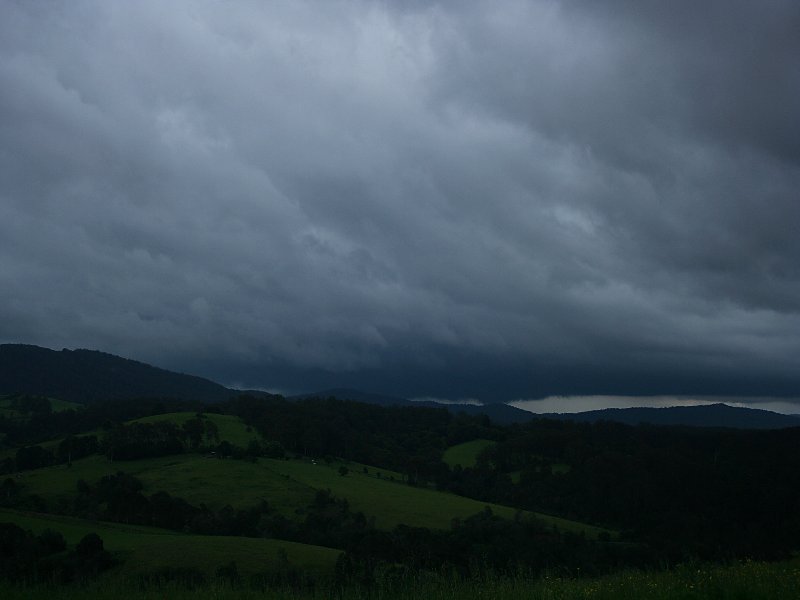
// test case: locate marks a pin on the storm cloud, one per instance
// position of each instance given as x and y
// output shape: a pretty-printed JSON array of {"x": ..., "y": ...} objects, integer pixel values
[{"x": 457, "y": 199}]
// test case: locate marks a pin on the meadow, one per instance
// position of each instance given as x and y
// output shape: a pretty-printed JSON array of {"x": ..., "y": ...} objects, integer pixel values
[
  {"x": 287, "y": 485},
  {"x": 56, "y": 405},
  {"x": 230, "y": 427},
  {"x": 466, "y": 454},
  {"x": 153, "y": 562},
  {"x": 146, "y": 550}
]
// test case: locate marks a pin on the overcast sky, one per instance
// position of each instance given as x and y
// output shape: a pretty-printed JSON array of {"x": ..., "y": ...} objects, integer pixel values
[{"x": 486, "y": 200}]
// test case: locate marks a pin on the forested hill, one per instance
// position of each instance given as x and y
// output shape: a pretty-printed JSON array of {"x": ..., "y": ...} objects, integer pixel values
[
  {"x": 714, "y": 415},
  {"x": 90, "y": 375},
  {"x": 86, "y": 375},
  {"x": 502, "y": 414},
  {"x": 711, "y": 415}
]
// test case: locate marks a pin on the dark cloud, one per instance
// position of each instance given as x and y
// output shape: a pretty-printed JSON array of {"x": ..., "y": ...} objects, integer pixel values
[{"x": 457, "y": 199}]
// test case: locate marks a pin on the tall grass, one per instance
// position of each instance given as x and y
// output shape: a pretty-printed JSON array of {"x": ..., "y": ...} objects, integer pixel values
[{"x": 750, "y": 580}]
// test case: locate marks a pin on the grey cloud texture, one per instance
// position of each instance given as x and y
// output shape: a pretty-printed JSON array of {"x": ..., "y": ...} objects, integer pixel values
[{"x": 422, "y": 194}]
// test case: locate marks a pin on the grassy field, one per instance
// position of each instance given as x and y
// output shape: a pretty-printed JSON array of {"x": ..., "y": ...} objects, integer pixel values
[
  {"x": 231, "y": 428},
  {"x": 745, "y": 581},
  {"x": 61, "y": 405},
  {"x": 390, "y": 502},
  {"x": 193, "y": 477},
  {"x": 465, "y": 454},
  {"x": 147, "y": 549},
  {"x": 287, "y": 485},
  {"x": 55, "y": 405}
]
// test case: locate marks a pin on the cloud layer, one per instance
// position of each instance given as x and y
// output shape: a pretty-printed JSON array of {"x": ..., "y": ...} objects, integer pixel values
[{"x": 489, "y": 200}]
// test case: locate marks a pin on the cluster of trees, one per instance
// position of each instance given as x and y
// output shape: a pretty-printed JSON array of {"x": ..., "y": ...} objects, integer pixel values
[
  {"x": 46, "y": 425},
  {"x": 688, "y": 492},
  {"x": 34, "y": 457},
  {"x": 29, "y": 558},
  {"x": 147, "y": 440},
  {"x": 120, "y": 498},
  {"x": 483, "y": 541},
  {"x": 410, "y": 440},
  {"x": 32, "y": 406},
  {"x": 163, "y": 438},
  {"x": 141, "y": 440},
  {"x": 684, "y": 492}
]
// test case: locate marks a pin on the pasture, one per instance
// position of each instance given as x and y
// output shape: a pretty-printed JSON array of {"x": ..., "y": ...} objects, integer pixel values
[
  {"x": 147, "y": 550},
  {"x": 230, "y": 427},
  {"x": 465, "y": 454},
  {"x": 287, "y": 485},
  {"x": 56, "y": 405}
]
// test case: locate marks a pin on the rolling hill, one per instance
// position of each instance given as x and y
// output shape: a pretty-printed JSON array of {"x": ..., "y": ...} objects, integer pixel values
[
  {"x": 89, "y": 375},
  {"x": 712, "y": 415},
  {"x": 147, "y": 550},
  {"x": 288, "y": 485},
  {"x": 499, "y": 413}
]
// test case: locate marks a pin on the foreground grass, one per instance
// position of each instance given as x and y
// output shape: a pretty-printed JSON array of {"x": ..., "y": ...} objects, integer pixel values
[{"x": 752, "y": 581}]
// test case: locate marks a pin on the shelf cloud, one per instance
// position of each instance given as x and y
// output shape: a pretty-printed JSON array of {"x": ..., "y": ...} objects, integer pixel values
[{"x": 435, "y": 199}]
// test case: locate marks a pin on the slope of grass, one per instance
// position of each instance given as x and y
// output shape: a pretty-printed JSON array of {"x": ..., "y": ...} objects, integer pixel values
[
  {"x": 288, "y": 485},
  {"x": 6, "y": 410},
  {"x": 61, "y": 405},
  {"x": 465, "y": 454},
  {"x": 231, "y": 428},
  {"x": 116, "y": 536},
  {"x": 195, "y": 478},
  {"x": 147, "y": 549},
  {"x": 56, "y": 405},
  {"x": 392, "y": 503}
]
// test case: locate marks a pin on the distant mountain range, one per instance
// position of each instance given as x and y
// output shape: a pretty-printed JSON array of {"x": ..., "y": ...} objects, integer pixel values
[
  {"x": 708, "y": 415},
  {"x": 712, "y": 415},
  {"x": 499, "y": 413},
  {"x": 89, "y": 375}
]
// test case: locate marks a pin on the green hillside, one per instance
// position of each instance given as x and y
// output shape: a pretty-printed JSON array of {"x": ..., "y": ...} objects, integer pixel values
[
  {"x": 465, "y": 454},
  {"x": 288, "y": 486},
  {"x": 56, "y": 405},
  {"x": 148, "y": 549},
  {"x": 230, "y": 427},
  {"x": 392, "y": 502}
]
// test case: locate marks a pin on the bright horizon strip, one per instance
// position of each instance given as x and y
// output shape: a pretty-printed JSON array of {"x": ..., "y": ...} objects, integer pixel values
[
  {"x": 469, "y": 401},
  {"x": 575, "y": 404}
]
